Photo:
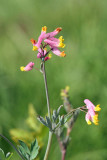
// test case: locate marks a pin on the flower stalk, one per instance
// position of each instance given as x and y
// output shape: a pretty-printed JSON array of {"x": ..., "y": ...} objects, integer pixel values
[{"x": 49, "y": 112}]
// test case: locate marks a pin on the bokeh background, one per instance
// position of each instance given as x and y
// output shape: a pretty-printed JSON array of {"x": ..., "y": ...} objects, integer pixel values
[{"x": 84, "y": 69}]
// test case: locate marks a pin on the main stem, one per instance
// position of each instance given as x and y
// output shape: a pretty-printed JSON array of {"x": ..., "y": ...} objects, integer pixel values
[
  {"x": 49, "y": 113},
  {"x": 12, "y": 146}
]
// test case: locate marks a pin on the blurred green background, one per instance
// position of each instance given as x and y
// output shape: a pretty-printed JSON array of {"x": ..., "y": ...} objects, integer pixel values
[{"x": 84, "y": 69}]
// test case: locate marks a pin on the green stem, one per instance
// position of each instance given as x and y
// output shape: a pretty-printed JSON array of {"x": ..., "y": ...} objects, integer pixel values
[
  {"x": 12, "y": 145},
  {"x": 49, "y": 113},
  {"x": 46, "y": 89},
  {"x": 48, "y": 146}
]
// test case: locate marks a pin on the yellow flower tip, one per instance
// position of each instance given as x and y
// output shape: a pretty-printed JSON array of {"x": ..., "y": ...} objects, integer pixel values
[
  {"x": 22, "y": 68},
  {"x": 62, "y": 54},
  {"x": 89, "y": 122},
  {"x": 50, "y": 55},
  {"x": 97, "y": 108},
  {"x": 63, "y": 94},
  {"x": 95, "y": 119},
  {"x": 62, "y": 45},
  {"x": 61, "y": 39},
  {"x": 96, "y": 123},
  {"x": 44, "y": 29},
  {"x": 67, "y": 88},
  {"x": 35, "y": 48}
]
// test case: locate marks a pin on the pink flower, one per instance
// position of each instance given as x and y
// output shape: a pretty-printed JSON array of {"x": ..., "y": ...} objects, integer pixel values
[
  {"x": 28, "y": 67},
  {"x": 54, "y": 33},
  {"x": 92, "y": 113},
  {"x": 40, "y": 39},
  {"x": 57, "y": 52},
  {"x": 54, "y": 42},
  {"x": 48, "y": 39}
]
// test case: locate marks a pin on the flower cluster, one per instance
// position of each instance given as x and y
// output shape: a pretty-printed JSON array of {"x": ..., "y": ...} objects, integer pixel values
[
  {"x": 46, "y": 40},
  {"x": 92, "y": 113},
  {"x": 49, "y": 40}
]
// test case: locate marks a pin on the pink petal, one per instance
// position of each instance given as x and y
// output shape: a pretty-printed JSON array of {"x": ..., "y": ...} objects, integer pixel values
[
  {"x": 87, "y": 117},
  {"x": 29, "y": 66},
  {"x": 51, "y": 43},
  {"x": 56, "y": 51},
  {"x": 89, "y": 104},
  {"x": 54, "y": 33}
]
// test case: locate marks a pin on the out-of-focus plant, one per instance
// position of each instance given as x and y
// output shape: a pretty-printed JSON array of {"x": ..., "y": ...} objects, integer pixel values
[
  {"x": 5, "y": 157},
  {"x": 35, "y": 130}
]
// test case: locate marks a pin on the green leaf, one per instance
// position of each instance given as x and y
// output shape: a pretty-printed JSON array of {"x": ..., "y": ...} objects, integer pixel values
[
  {"x": 34, "y": 150},
  {"x": 49, "y": 124},
  {"x": 8, "y": 155},
  {"x": 61, "y": 120},
  {"x": 58, "y": 110},
  {"x": 23, "y": 152},
  {"x": 25, "y": 147},
  {"x": 41, "y": 119},
  {"x": 2, "y": 156}
]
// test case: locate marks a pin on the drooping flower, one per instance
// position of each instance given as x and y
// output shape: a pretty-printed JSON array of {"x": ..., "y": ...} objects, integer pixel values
[
  {"x": 92, "y": 113},
  {"x": 28, "y": 67},
  {"x": 57, "y": 52}
]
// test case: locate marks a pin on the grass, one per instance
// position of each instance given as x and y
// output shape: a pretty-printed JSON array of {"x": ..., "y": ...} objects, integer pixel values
[{"x": 83, "y": 69}]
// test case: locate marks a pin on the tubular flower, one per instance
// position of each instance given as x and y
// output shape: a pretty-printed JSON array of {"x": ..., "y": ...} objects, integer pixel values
[
  {"x": 40, "y": 39},
  {"x": 48, "y": 39},
  {"x": 54, "y": 42},
  {"x": 28, "y": 67},
  {"x": 56, "y": 51},
  {"x": 92, "y": 113},
  {"x": 54, "y": 33}
]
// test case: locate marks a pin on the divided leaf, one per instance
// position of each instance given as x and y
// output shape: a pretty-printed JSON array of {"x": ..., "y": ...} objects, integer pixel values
[
  {"x": 49, "y": 124},
  {"x": 23, "y": 152},
  {"x": 41, "y": 119},
  {"x": 25, "y": 147},
  {"x": 34, "y": 150},
  {"x": 26, "y": 153}
]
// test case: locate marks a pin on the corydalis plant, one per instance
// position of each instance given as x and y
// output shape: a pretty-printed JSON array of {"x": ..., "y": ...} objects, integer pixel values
[{"x": 47, "y": 42}]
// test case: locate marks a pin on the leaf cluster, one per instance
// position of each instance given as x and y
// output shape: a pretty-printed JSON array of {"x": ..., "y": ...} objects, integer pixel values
[{"x": 29, "y": 154}]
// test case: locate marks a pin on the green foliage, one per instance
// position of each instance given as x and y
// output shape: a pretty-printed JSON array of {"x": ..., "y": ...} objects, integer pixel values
[
  {"x": 35, "y": 129},
  {"x": 5, "y": 157},
  {"x": 84, "y": 27},
  {"x": 34, "y": 149},
  {"x": 26, "y": 153}
]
